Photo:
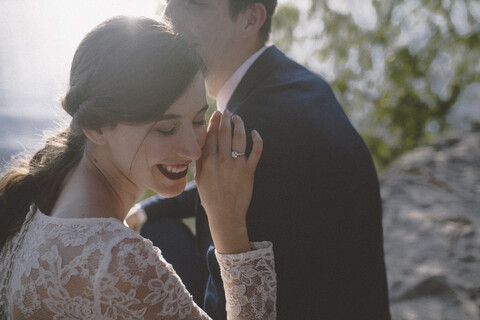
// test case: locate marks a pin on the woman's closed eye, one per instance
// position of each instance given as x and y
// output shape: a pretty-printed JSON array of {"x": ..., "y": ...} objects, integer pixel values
[
  {"x": 200, "y": 122},
  {"x": 167, "y": 131},
  {"x": 199, "y": 119}
]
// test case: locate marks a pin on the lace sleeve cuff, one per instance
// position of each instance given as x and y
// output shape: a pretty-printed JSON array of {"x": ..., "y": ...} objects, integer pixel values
[
  {"x": 250, "y": 282},
  {"x": 259, "y": 250}
]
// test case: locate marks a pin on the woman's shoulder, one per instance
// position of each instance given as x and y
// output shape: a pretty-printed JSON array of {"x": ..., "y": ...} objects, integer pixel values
[
  {"x": 118, "y": 251},
  {"x": 76, "y": 231},
  {"x": 103, "y": 238},
  {"x": 135, "y": 279}
]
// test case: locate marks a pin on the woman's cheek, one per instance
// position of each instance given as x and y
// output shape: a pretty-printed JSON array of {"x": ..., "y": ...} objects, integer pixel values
[
  {"x": 153, "y": 150},
  {"x": 202, "y": 136}
]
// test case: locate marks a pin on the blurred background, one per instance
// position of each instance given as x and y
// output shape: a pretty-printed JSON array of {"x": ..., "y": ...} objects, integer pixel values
[{"x": 407, "y": 73}]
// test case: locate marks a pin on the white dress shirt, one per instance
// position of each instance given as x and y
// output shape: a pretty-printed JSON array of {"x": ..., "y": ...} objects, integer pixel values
[{"x": 229, "y": 87}]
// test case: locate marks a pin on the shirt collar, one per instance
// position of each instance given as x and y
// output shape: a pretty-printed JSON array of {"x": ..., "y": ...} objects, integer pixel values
[{"x": 226, "y": 92}]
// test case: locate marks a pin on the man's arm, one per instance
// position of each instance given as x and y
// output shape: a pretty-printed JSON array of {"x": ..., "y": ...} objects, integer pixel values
[{"x": 158, "y": 207}]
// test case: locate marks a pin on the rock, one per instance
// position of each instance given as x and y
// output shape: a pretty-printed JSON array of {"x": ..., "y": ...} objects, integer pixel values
[{"x": 431, "y": 204}]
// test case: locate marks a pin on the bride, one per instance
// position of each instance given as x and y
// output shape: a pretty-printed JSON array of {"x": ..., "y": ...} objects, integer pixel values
[{"x": 137, "y": 101}]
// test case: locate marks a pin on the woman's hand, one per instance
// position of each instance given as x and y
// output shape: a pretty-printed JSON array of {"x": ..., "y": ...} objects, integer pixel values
[{"x": 225, "y": 184}]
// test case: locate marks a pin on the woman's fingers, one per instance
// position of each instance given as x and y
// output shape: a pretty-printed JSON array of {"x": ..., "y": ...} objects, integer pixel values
[
  {"x": 220, "y": 141},
  {"x": 224, "y": 184},
  {"x": 257, "y": 148},
  {"x": 225, "y": 135},
  {"x": 239, "y": 141},
  {"x": 210, "y": 146}
]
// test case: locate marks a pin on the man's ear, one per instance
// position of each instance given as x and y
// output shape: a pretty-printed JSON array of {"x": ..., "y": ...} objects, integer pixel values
[
  {"x": 254, "y": 18},
  {"x": 97, "y": 136}
]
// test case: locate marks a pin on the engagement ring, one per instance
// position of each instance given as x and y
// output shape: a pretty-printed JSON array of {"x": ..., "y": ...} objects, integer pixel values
[{"x": 236, "y": 154}]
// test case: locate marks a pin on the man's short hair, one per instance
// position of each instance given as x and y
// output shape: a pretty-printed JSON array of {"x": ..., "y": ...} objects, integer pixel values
[{"x": 237, "y": 6}]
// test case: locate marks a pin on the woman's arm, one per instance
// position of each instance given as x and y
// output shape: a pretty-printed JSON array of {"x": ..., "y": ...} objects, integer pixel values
[
  {"x": 136, "y": 282},
  {"x": 225, "y": 183}
]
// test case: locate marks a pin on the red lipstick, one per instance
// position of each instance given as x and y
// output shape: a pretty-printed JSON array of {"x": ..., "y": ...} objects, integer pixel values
[{"x": 172, "y": 175}]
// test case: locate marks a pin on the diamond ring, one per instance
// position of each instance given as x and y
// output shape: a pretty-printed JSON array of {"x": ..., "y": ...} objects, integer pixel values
[{"x": 236, "y": 154}]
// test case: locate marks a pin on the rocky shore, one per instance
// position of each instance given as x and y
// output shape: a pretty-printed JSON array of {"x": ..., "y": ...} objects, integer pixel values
[{"x": 431, "y": 202}]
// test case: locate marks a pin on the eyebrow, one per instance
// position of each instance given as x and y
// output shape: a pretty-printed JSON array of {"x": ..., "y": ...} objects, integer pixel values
[{"x": 176, "y": 116}]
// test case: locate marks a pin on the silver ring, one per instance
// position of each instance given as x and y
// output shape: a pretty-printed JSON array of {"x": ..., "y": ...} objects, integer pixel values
[{"x": 236, "y": 154}]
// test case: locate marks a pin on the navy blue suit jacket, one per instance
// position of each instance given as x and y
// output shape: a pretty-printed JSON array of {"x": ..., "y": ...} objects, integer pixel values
[{"x": 316, "y": 197}]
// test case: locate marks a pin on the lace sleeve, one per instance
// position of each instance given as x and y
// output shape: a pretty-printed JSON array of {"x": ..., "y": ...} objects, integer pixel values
[
  {"x": 137, "y": 283},
  {"x": 250, "y": 282}
]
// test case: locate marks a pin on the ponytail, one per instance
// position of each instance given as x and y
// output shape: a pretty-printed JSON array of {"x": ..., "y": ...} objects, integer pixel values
[{"x": 38, "y": 180}]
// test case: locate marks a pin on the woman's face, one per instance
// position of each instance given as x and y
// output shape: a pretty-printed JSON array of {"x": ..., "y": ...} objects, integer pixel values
[{"x": 156, "y": 155}]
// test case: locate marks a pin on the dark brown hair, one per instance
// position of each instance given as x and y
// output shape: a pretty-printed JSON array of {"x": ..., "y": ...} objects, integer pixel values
[
  {"x": 126, "y": 70},
  {"x": 237, "y": 6}
]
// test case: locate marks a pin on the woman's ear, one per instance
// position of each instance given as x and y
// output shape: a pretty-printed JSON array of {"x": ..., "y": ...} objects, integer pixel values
[
  {"x": 254, "y": 18},
  {"x": 97, "y": 136}
]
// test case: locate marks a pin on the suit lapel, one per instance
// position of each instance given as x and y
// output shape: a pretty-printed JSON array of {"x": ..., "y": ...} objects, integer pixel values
[{"x": 261, "y": 68}]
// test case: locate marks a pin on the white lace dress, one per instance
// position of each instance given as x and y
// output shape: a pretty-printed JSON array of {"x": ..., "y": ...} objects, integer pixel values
[{"x": 97, "y": 268}]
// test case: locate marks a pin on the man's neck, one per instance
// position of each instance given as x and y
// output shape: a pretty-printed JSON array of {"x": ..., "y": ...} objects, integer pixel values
[
  {"x": 225, "y": 93},
  {"x": 215, "y": 78}
]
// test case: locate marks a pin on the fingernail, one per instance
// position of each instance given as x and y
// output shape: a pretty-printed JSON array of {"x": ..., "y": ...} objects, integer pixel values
[
  {"x": 236, "y": 117},
  {"x": 226, "y": 113}
]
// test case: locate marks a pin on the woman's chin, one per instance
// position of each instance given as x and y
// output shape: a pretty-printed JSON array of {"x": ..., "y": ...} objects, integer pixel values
[{"x": 172, "y": 191}]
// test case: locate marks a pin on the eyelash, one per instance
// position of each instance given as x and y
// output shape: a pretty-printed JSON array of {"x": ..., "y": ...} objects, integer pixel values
[
  {"x": 172, "y": 131},
  {"x": 200, "y": 123},
  {"x": 167, "y": 133}
]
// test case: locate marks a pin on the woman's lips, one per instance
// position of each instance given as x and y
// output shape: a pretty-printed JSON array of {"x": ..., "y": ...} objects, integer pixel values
[{"x": 173, "y": 172}]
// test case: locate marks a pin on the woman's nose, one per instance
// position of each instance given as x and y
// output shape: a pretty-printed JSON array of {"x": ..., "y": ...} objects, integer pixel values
[{"x": 190, "y": 145}]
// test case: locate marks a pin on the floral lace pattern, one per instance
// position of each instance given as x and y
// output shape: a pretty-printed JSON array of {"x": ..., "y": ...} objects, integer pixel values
[
  {"x": 97, "y": 268},
  {"x": 252, "y": 288}
]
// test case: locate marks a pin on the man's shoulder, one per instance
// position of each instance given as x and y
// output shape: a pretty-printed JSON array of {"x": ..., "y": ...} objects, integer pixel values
[
  {"x": 275, "y": 67},
  {"x": 276, "y": 81},
  {"x": 288, "y": 80},
  {"x": 292, "y": 90},
  {"x": 291, "y": 96}
]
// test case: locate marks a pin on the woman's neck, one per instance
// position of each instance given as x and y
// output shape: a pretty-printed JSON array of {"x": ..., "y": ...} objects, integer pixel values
[{"x": 95, "y": 190}]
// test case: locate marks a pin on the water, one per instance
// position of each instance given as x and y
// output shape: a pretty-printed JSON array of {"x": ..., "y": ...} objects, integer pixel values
[
  {"x": 21, "y": 131},
  {"x": 37, "y": 43}
]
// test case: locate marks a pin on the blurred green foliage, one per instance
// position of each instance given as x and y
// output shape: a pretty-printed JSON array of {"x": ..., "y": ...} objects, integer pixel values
[{"x": 398, "y": 72}]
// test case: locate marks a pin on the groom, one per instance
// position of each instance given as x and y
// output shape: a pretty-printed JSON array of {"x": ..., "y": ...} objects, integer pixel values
[{"x": 316, "y": 194}]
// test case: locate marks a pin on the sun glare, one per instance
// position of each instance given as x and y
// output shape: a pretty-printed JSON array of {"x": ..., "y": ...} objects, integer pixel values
[
  {"x": 39, "y": 39},
  {"x": 37, "y": 43}
]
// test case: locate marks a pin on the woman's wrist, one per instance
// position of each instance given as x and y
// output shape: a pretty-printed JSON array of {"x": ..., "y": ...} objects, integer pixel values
[{"x": 230, "y": 240}]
